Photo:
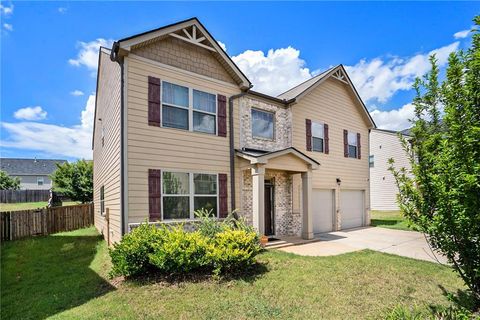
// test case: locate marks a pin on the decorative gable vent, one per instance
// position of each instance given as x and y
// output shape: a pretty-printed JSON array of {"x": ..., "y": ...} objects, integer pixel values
[
  {"x": 340, "y": 75},
  {"x": 192, "y": 35}
]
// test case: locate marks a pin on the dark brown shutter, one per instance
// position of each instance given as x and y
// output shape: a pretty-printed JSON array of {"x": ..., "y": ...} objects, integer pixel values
[
  {"x": 223, "y": 195},
  {"x": 154, "y": 194},
  {"x": 359, "y": 147},
  {"x": 154, "y": 101},
  {"x": 308, "y": 135},
  {"x": 345, "y": 143},
  {"x": 326, "y": 138},
  {"x": 222, "y": 115}
]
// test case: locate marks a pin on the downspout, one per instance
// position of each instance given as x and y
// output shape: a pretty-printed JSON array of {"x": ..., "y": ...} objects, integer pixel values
[
  {"x": 232, "y": 145},
  {"x": 115, "y": 58}
]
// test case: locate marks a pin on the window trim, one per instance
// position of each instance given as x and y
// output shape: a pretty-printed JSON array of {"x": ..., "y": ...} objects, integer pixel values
[
  {"x": 274, "y": 133},
  {"x": 102, "y": 200},
  {"x": 356, "y": 145},
  {"x": 42, "y": 179},
  {"x": 189, "y": 108},
  {"x": 323, "y": 138},
  {"x": 191, "y": 194},
  {"x": 371, "y": 161}
]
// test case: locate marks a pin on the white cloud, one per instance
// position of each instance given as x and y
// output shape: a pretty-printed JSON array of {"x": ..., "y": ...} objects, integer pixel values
[
  {"x": 77, "y": 93},
  {"x": 54, "y": 140},
  {"x": 396, "y": 119},
  {"x": 8, "y": 26},
  {"x": 461, "y": 34},
  {"x": 30, "y": 113},
  {"x": 222, "y": 45},
  {"x": 380, "y": 79},
  {"x": 6, "y": 10},
  {"x": 275, "y": 72},
  {"x": 88, "y": 54},
  {"x": 62, "y": 10}
]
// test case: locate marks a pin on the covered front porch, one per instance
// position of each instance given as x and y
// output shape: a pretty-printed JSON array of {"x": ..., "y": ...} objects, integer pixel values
[{"x": 267, "y": 191}]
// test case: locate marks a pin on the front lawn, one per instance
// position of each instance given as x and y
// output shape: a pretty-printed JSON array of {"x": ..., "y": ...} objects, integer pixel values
[
  {"x": 64, "y": 276},
  {"x": 30, "y": 205},
  {"x": 389, "y": 219}
]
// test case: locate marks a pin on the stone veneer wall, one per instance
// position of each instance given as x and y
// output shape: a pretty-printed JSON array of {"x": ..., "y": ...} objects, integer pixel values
[
  {"x": 282, "y": 128},
  {"x": 186, "y": 56},
  {"x": 286, "y": 222}
]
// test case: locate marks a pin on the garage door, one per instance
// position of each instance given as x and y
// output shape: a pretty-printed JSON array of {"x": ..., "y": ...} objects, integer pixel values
[
  {"x": 322, "y": 207},
  {"x": 351, "y": 208}
]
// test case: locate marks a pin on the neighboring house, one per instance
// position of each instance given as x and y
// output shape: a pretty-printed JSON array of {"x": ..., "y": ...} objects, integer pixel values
[
  {"x": 385, "y": 144},
  {"x": 178, "y": 128},
  {"x": 33, "y": 173}
]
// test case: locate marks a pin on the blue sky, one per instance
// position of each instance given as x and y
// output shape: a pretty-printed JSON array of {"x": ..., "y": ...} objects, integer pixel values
[{"x": 48, "y": 55}]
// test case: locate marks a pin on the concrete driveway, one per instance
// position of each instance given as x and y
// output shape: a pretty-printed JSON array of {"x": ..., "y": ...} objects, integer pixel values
[{"x": 403, "y": 243}]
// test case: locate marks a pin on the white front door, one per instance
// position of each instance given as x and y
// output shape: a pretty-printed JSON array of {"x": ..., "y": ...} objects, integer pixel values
[
  {"x": 322, "y": 210},
  {"x": 351, "y": 208}
]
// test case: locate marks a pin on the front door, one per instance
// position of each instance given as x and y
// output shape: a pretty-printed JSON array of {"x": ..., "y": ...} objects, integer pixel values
[{"x": 269, "y": 211}]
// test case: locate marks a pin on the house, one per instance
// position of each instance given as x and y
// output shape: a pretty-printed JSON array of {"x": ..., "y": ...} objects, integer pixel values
[
  {"x": 385, "y": 144},
  {"x": 178, "y": 128},
  {"x": 33, "y": 173}
]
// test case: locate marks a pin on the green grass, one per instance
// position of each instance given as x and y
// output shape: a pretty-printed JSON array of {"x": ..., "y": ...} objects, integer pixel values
[
  {"x": 29, "y": 205},
  {"x": 63, "y": 276},
  {"x": 389, "y": 219}
]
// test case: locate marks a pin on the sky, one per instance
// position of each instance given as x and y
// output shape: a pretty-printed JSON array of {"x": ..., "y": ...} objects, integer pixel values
[{"x": 49, "y": 53}]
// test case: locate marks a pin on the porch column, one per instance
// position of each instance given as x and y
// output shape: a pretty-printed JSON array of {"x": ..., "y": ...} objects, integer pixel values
[
  {"x": 307, "y": 223},
  {"x": 258, "y": 198}
]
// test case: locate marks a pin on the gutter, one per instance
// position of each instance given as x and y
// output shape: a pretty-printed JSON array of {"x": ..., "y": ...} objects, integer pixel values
[{"x": 115, "y": 58}]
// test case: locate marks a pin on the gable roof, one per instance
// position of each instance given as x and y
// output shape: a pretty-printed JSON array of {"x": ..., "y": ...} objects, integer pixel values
[
  {"x": 198, "y": 35},
  {"x": 337, "y": 72},
  {"x": 258, "y": 156},
  {"x": 20, "y": 167}
]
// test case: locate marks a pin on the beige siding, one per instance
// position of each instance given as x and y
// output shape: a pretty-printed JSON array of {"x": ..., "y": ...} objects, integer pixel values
[
  {"x": 151, "y": 147},
  {"x": 383, "y": 146},
  {"x": 333, "y": 103},
  {"x": 107, "y": 167}
]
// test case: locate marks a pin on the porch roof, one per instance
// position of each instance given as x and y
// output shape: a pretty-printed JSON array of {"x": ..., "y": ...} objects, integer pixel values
[{"x": 262, "y": 157}]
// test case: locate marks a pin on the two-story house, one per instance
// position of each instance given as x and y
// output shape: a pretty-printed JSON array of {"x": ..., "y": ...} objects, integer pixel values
[{"x": 178, "y": 128}]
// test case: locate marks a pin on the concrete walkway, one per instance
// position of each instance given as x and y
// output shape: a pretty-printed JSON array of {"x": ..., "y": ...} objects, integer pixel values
[{"x": 403, "y": 243}]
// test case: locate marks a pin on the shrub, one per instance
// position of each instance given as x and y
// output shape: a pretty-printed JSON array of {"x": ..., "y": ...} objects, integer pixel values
[
  {"x": 130, "y": 256},
  {"x": 233, "y": 250},
  {"x": 180, "y": 251}
]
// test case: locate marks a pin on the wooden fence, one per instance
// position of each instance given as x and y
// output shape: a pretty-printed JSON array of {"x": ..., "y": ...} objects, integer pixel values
[
  {"x": 26, "y": 223},
  {"x": 15, "y": 196}
]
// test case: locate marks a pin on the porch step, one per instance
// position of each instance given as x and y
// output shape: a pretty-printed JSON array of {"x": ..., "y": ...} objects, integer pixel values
[{"x": 278, "y": 244}]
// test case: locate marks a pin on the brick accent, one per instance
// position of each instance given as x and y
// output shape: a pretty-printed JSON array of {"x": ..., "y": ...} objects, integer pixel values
[{"x": 184, "y": 55}]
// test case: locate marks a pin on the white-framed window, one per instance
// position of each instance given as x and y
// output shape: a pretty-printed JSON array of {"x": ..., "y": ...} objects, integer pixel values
[
  {"x": 40, "y": 181},
  {"x": 185, "y": 192},
  {"x": 102, "y": 200},
  {"x": 263, "y": 124},
  {"x": 371, "y": 161},
  {"x": 318, "y": 139},
  {"x": 352, "y": 145},
  {"x": 188, "y": 109}
]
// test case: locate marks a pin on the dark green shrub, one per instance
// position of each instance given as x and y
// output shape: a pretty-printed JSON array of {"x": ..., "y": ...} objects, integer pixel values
[
  {"x": 180, "y": 251},
  {"x": 130, "y": 255}
]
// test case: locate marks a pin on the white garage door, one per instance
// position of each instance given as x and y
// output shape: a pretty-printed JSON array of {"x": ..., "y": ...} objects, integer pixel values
[
  {"x": 322, "y": 207},
  {"x": 351, "y": 208}
]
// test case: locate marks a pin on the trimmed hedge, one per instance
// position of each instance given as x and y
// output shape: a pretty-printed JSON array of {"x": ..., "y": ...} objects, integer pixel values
[{"x": 215, "y": 247}]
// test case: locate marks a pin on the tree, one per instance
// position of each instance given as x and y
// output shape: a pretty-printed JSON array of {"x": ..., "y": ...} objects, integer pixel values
[
  {"x": 442, "y": 194},
  {"x": 74, "y": 180},
  {"x": 7, "y": 182}
]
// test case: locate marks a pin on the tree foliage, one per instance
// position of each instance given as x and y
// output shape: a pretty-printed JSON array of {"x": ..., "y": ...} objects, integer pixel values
[
  {"x": 74, "y": 180},
  {"x": 7, "y": 182},
  {"x": 442, "y": 193}
]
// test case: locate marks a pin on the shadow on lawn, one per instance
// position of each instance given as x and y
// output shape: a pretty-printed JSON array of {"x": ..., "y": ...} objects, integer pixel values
[
  {"x": 249, "y": 275},
  {"x": 382, "y": 222},
  {"x": 47, "y": 275}
]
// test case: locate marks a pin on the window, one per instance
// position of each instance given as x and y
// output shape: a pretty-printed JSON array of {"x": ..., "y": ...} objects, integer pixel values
[
  {"x": 180, "y": 104},
  {"x": 102, "y": 200},
  {"x": 317, "y": 137},
  {"x": 184, "y": 192},
  {"x": 352, "y": 145},
  {"x": 371, "y": 161},
  {"x": 39, "y": 181},
  {"x": 262, "y": 124}
]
